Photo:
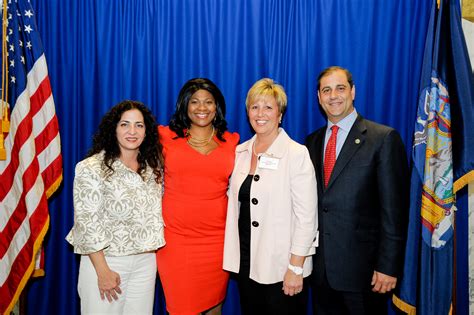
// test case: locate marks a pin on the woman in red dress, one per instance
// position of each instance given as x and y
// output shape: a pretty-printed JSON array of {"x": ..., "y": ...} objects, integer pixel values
[{"x": 199, "y": 158}]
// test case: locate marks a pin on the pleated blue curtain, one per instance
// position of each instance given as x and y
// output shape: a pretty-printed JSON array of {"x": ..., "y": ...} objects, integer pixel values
[{"x": 102, "y": 51}]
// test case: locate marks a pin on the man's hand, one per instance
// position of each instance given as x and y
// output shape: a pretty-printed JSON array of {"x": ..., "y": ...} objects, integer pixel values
[{"x": 383, "y": 283}]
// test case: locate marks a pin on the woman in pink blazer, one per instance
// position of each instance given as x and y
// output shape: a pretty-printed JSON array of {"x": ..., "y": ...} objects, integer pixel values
[{"x": 272, "y": 227}]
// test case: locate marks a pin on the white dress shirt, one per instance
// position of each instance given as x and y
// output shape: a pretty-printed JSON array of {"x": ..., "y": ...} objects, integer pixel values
[{"x": 345, "y": 126}]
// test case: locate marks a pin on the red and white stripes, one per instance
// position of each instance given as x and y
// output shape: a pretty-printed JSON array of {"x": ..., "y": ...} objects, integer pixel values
[{"x": 30, "y": 174}]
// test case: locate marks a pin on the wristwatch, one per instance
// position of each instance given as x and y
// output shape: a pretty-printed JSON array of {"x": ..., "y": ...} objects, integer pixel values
[{"x": 297, "y": 270}]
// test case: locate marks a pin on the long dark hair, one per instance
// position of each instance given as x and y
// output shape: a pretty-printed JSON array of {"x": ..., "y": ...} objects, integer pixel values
[
  {"x": 105, "y": 139},
  {"x": 180, "y": 120}
]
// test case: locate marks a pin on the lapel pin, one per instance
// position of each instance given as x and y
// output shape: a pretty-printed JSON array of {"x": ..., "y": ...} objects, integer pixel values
[{"x": 357, "y": 141}]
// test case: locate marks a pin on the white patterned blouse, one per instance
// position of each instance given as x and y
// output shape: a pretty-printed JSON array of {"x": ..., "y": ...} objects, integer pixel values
[{"x": 119, "y": 214}]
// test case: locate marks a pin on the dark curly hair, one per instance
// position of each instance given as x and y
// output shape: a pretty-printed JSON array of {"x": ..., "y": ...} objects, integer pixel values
[
  {"x": 180, "y": 120},
  {"x": 105, "y": 139}
]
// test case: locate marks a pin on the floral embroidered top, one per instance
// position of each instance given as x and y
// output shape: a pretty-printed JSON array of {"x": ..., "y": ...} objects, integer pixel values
[{"x": 119, "y": 214}]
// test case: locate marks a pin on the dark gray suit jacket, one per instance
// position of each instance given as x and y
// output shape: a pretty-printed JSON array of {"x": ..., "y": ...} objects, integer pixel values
[{"x": 363, "y": 211}]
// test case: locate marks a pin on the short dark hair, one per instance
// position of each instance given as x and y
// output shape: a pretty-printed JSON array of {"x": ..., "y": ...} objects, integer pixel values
[
  {"x": 332, "y": 69},
  {"x": 105, "y": 139},
  {"x": 180, "y": 120}
]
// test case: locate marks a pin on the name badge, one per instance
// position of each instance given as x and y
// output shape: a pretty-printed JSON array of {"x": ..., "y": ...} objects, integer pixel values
[{"x": 268, "y": 162}]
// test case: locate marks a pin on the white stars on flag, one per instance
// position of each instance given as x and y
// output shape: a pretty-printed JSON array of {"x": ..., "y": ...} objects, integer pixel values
[{"x": 17, "y": 47}]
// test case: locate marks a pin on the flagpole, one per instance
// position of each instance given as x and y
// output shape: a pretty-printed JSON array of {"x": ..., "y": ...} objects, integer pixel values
[
  {"x": 453, "y": 309},
  {"x": 5, "y": 126}
]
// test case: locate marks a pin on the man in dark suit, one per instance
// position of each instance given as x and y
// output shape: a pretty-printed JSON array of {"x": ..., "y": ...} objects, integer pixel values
[{"x": 362, "y": 178}]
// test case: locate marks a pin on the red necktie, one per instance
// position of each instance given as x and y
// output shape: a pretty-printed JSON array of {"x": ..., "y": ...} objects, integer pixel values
[{"x": 330, "y": 155}]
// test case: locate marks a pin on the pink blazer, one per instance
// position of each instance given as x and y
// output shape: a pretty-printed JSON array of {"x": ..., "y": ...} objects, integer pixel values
[{"x": 285, "y": 212}]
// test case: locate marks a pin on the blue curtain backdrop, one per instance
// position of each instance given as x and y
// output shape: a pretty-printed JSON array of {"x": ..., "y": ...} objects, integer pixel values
[{"x": 100, "y": 52}]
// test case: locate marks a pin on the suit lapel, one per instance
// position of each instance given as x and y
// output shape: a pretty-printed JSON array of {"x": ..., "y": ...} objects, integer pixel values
[
  {"x": 318, "y": 156},
  {"x": 355, "y": 139}
]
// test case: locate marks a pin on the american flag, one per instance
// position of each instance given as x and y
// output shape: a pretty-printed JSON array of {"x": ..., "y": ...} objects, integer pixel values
[{"x": 32, "y": 170}]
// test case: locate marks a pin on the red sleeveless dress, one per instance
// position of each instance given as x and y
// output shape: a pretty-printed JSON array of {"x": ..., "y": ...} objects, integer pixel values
[{"x": 194, "y": 212}]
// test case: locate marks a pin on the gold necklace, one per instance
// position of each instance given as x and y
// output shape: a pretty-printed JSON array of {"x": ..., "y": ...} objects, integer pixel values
[
  {"x": 198, "y": 143},
  {"x": 254, "y": 151}
]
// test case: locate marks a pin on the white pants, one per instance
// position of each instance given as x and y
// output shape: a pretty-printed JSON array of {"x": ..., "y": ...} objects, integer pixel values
[{"x": 137, "y": 282}]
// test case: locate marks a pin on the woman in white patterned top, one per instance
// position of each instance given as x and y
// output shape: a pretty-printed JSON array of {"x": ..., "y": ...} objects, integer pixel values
[{"x": 117, "y": 213}]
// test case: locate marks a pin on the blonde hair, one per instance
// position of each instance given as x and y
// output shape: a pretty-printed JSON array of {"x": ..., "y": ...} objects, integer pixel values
[{"x": 267, "y": 87}]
